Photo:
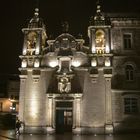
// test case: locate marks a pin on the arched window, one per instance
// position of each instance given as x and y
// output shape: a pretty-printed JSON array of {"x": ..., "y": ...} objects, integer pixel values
[{"x": 129, "y": 71}]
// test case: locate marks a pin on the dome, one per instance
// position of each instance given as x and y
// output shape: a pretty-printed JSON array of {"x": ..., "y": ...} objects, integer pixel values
[{"x": 36, "y": 22}]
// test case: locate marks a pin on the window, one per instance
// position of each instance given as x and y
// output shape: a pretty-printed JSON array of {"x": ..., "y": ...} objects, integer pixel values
[
  {"x": 130, "y": 105},
  {"x": 127, "y": 41},
  {"x": 129, "y": 70}
]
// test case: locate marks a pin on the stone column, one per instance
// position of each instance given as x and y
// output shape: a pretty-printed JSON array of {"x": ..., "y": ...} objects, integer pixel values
[
  {"x": 93, "y": 47},
  {"x": 22, "y": 99},
  {"x": 24, "y": 50},
  {"x": 50, "y": 112},
  {"x": 50, "y": 116},
  {"x": 108, "y": 106},
  {"x": 107, "y": 44},
  {"x": 78, "y": 107},
  {"x": 77, "y": 115},
  {"x": 38, "y": 44},
  {"x": 54, "y": 113}
]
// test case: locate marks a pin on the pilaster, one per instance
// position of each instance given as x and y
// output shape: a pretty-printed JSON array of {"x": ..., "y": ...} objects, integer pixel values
[
  {"x": 23, "y": 79},
  {"x": 108, "y": 105},
  {"x": 38, "y": 44},
  {"x": 50, "y": 119},
  {"x": 77, "y": 115}
]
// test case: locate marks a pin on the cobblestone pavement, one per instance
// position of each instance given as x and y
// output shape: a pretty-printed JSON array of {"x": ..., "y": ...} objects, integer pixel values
[{"x": 10, "y": 134}]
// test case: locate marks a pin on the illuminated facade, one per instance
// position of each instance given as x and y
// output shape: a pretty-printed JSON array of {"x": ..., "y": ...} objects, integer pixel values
[{"x": 67, "y": 86}]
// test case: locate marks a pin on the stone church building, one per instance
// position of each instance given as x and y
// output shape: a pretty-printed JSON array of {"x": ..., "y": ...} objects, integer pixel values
[{"x": 67, "y": 86}]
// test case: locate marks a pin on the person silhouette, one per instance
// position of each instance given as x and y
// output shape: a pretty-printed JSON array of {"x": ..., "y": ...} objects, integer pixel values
[{"x": 18, "y": 125}]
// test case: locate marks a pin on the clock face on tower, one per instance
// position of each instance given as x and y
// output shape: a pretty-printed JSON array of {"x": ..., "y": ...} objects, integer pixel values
[{"x": 31, "y": 42}]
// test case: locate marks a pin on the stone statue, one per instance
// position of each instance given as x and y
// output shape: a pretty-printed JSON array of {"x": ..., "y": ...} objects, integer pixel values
[{"x": 64, "y": 85}]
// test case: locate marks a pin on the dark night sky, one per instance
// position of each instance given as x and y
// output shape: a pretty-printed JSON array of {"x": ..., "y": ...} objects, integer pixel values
[{"x": 14, "y": 15}]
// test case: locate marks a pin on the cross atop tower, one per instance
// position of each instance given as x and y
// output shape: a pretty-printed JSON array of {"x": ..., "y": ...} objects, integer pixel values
[
  {"x": 65, "y": 27},
  {"x": 36, "y": 13},
  {"x": 98, "y": 15}
]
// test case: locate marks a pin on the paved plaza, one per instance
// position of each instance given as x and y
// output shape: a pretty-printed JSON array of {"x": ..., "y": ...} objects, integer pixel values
[{"x": 10, "y": 135}]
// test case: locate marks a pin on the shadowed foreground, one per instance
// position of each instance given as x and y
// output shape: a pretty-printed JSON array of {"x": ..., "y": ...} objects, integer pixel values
[{"x": 10, "y": 134}]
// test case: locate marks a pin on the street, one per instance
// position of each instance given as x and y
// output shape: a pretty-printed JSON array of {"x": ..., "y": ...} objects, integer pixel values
[{"x": 10, "y": 134}]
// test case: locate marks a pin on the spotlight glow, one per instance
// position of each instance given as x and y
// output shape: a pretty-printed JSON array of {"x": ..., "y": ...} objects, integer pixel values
[
  {"x": 37, "y": 50},
  {"x": 107, "y": 50},
  {"x": 36, "y": 63},
  {"x": 93, "y": 62},
  {"x": 24, "y": 51},
  {"x": 53, "y": 63},
  {"x": 24, "y": 64},
  {"x": 93, "y": 49},
  {"x": 76, "y": 63},
  {"x": 107, "y": 62}
]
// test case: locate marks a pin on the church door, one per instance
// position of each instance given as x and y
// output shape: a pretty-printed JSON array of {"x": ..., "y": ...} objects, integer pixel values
[{"x": 64, "y": 118}]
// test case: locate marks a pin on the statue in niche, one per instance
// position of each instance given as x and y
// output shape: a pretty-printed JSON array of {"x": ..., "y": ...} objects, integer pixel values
[
  {"x": 31, "y": 42},
  {"x": 64, "y": 85},
  {"x": 100, "y": 41}
]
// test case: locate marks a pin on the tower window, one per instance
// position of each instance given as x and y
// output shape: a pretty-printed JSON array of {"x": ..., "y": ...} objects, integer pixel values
[
  {"x": 130, "y": 105},
  {"x": 127, "y": 41},
  {"x": 129, "y": 71}
]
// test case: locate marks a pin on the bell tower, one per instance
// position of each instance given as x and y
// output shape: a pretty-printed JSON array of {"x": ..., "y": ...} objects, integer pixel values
[
  {"x": 101, "y": 62},
  {"x": 34, "y": 41},
  {"x": 99, "y": 33},
  {"x": 32, "y": 85}
]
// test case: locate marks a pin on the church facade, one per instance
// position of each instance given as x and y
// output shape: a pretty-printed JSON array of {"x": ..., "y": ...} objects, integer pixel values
[{"x": 66, "y": 86}]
